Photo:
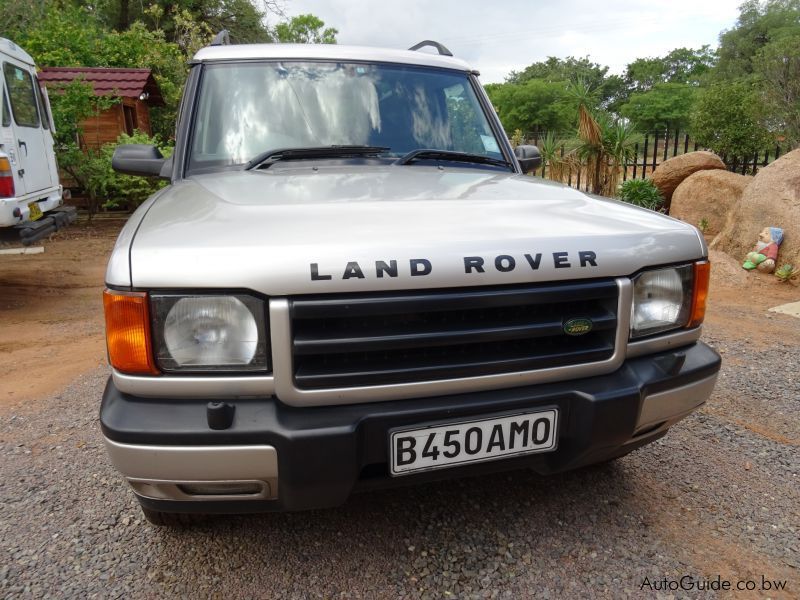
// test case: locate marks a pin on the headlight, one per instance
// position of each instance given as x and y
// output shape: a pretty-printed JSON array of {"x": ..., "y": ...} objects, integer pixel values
[
  {"x": 662, "y": 300},
  {"x": 209, "y": 333}
]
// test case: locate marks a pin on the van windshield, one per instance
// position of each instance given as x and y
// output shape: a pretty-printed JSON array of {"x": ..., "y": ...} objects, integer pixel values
[{"x": 250, "y": 108}]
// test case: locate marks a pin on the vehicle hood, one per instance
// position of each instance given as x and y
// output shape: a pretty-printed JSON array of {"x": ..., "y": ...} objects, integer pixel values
[{"x": 301, "y": 230}]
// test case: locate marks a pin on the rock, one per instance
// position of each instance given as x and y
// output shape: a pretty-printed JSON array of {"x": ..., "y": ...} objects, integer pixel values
[
  {"x": 771, "y": 200},
  {"x": 670, "y": 173},
  {"x": 726, "y": 271},
  {"x": 709, "y": 195}
]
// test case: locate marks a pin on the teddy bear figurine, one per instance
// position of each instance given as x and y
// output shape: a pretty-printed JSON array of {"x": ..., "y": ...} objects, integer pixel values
[{"x": 765, "y": 253}]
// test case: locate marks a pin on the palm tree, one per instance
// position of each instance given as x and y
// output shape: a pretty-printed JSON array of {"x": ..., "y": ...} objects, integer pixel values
[
  {"x": 557, "y": 164},
  {"x": 618, "y": 143},
  {"x": 604, "y": 144}
]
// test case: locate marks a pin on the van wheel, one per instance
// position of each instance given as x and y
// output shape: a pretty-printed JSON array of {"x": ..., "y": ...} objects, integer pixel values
[{"x": 165, "y": 519}]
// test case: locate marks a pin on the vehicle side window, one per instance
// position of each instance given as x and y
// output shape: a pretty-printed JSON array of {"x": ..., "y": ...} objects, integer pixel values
[
  {"x": 21, "y": 91},
  {"x": 42, "y": 104},
  {"x": 4, "y": 110}
]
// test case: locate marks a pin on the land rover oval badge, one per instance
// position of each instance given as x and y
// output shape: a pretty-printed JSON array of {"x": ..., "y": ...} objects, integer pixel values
[{"x": 577, "y": 326}]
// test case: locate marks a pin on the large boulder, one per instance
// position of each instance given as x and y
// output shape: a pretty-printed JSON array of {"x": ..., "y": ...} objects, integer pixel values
[
  {"x": 709, "y": 196},
  {"x": 670, "y": 173},
  {"x": 771, "y": 200}
]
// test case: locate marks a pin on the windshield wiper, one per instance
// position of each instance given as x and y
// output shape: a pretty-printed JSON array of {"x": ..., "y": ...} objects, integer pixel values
[
  {"x": 450, "y": 155},
  {"x": 265, "y": 159}
]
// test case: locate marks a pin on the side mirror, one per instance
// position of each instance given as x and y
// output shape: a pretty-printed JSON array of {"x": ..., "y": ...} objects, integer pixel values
[
  {"x": 138, "y": 159},
  {"x": 529, "y": 158}
]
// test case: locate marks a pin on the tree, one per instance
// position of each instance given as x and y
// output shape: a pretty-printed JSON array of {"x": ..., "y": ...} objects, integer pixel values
[
  {"x": 777, "y": 65},
  {"x": 759, "y": 24},
  {"x": 561, "y": 69},
  {"x": 18, "y": 16},
  {"x": 244, "y": 19},
  {"x": 535, "y": 105},
  {"x": 682, "y": 65},
  {"x": 305, "y": 29},
  {"x": 728, "y": 119},
  {"x": 571, "y": 69},
  {"x": 73, "y": 37},
  {"x": 604, "y": 144},
  {"x": 71, "y": 105},
  {"x": 665, "y": 106}
]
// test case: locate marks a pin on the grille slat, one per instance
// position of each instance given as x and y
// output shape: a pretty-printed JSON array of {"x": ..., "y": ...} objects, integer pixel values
[
  {"x": 374, "y": 339},
  {"x": 385, "y": 304},
  {"x": 335, "y": 376},
  {"x": 390, "y": 338}
]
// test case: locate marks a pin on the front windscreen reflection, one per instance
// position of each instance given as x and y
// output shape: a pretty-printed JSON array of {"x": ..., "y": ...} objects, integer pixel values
[{"x": 250, "y": 108}]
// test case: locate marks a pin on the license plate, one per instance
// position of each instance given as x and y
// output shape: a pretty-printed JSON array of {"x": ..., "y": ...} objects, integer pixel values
[
  {"x": 35, "y": 211},
  {"x": 439, "y": 446}
]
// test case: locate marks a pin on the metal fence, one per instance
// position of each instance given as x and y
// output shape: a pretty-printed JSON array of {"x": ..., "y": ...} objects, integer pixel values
[{"x": 655, "y": 148}]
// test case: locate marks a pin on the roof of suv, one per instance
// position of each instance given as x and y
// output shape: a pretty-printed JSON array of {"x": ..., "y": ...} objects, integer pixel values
[{"x": 327, "y": 52}]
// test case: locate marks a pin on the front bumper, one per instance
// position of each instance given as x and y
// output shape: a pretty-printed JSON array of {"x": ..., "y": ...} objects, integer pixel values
[{"x": 314, "y": 457}]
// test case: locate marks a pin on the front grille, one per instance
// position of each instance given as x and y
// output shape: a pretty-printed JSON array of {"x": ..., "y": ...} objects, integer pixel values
[{"x": 389, "y": 338}]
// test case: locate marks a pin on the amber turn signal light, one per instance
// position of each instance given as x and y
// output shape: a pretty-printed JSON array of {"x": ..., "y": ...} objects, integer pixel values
[
  {"x": 702, "y": 276},
  {"x": 128, "y": 332}
]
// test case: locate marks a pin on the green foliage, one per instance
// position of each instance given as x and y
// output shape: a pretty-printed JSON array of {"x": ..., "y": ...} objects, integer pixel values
[
  {"x": 685, "y": 66},
  {"x": 534, "y": 105},
  {"x": 641, "y": 192},
  {"x": 19, "y": 16},
  {"x": 759, "y": 24},
  {"x": 733, "y": 99},
  {"x": 665, "y": 105},
  {"x": 91, "y": 168},
  {"x": 305, "y": 29},
  {"x": 703, "y": 225},
  {"x": 786, "y": 273},
  {"x": 554, "y": 164},
  {"x": 777, "y": 66},
  {"x": 619, "y": 138},
  {"x": 71, "y": 105},
  {"x": 727, "y": 118},
  {"x": 572, "y": 69},
  {"x": 603, "y": 156},
  {"x": 244, "y": 19},
  {"x": 125, "y": 191},
  {"x": 70, "y": 37},
  {"x": 73, "y": 37}
]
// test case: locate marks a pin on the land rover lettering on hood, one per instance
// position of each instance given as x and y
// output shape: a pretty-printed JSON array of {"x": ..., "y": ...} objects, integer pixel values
[{"x": 352, "y": 281}]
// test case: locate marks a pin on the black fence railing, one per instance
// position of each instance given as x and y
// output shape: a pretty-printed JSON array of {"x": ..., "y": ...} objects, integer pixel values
[{"x": 651, "y": 151}]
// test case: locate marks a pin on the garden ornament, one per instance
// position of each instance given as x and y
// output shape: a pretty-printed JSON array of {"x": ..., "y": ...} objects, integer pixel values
[{"x": 765, "y": 253}]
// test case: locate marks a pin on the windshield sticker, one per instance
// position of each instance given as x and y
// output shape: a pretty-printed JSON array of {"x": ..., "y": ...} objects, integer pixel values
[{"x": 489, "y": 143}]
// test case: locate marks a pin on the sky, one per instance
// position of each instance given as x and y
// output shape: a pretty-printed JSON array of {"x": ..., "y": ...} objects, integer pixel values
[{"x": 499, "y": 36}]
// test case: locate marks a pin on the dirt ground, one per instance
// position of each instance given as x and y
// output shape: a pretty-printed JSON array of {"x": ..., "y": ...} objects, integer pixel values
[{"x": 52, "y": 313}]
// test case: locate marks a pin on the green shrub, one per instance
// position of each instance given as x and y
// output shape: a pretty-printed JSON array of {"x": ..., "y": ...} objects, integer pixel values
[
  {"x": 126, "y": 191},
  {"x": 641, "y": 192}
]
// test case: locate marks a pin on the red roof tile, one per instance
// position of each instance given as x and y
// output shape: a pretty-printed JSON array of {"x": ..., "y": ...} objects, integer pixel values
[{"x": 126, "y": 83}]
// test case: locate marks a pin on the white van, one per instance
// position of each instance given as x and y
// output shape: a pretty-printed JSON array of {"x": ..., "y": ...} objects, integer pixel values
[{"x": 29, "y": 184}]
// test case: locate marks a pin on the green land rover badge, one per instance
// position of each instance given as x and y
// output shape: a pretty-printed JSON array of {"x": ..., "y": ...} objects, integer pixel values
[{"x": 577, "y": 326}]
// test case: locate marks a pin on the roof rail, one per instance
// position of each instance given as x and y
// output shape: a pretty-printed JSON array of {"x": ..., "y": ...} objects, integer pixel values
[
  {"x": 443, "y": 51},
  {"x": 221, "y": 39}
]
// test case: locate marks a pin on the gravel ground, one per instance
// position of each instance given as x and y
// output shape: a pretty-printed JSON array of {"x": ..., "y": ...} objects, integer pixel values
[{"x": 719, "y": 496}]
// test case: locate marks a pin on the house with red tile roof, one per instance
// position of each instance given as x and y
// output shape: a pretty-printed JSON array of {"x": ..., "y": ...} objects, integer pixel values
[{"x": 136, "y": 89}]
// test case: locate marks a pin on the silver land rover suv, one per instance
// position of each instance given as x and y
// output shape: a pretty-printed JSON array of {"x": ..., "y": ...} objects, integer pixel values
[{"x": 351, "y": 283}]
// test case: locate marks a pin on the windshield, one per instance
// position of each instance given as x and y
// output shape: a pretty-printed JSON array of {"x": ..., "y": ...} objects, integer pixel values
[{"x": 250, "y": 108}]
